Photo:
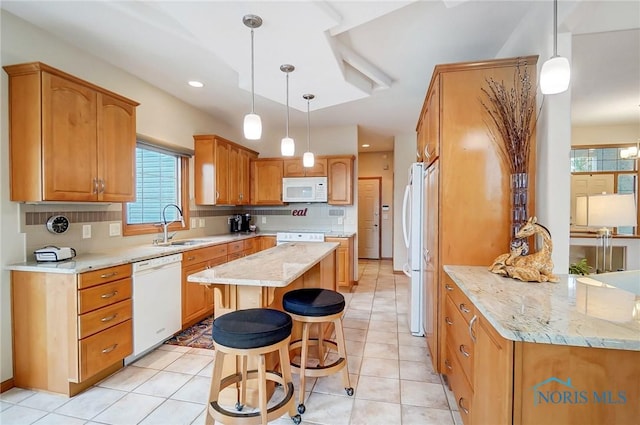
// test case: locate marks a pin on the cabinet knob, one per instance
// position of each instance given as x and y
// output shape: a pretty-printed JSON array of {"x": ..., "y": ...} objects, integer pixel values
[
  {"x": 463, "y": 350},
  {"x": 448, "y": 287},
  {"x": 448, "y": 321},
  {"x": 464, "y": 308}
]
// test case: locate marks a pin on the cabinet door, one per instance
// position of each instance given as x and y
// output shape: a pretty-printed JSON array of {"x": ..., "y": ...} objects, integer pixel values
[
  {"x": 431, "y": 142},
  {"x": 293, "y": 167},
  {"x": 340, "y": 181},
  {"x": 197, "y": 300},
  {"x": 204, "y": 173},
  {"x": 267, "y": 242},
  {"x": 266, "y": 182},
  {"x": 493, "y": 379},
  {"x": 69, "y": 140},
  {"x": 233, "y": 177},
  {"x": 116, "y": 150},
  {"x": 222, "y": 172},
  {"x": 244, "y": 177}
]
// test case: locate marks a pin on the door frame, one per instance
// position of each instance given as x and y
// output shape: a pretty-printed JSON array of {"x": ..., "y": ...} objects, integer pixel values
[{"x": 379, "y": 178}]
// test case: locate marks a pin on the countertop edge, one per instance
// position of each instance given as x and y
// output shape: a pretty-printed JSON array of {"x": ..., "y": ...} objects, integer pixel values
[{"x": 523, "y": 336}]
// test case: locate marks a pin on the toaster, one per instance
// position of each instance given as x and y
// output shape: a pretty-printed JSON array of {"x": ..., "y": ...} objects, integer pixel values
[{"x": 54, "y": 253}]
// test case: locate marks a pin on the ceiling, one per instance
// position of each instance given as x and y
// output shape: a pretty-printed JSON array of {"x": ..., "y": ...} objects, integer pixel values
[{"x": 367, "y": 62}]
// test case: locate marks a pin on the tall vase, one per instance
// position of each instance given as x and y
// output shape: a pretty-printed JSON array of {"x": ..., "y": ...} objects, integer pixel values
[{"x": 519, "y": 195}]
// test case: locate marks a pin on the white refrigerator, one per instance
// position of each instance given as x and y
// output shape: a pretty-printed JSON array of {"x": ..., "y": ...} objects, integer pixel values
[{"x": 413, "y": 228}]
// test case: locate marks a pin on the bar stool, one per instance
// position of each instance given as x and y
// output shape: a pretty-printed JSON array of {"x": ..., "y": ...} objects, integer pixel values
[
  {"x": 252, "y": 332},
  {"x": 311, "y": 306}
]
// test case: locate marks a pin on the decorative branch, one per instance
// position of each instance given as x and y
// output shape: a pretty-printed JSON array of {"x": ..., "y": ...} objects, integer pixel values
[{"x": 511, "y": 111}]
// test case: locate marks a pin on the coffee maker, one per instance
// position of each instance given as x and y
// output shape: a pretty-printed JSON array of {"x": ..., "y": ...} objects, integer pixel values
[
  {"x": 245, "y": 222},
  {"x": 234, "y": 223}
]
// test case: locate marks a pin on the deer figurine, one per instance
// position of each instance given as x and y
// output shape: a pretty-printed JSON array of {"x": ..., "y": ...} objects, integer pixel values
[{"x": 536, "y": 267}]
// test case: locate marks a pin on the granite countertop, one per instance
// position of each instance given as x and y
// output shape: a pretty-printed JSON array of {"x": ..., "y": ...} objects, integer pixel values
[
  {"x": 274, "y": 267},
  {"x": 99, "y": 260},
  {"x": 578, "y": 311}
]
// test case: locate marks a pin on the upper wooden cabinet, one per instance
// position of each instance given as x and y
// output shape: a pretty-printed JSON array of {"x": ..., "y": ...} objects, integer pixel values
[
  {"x": 429, "y": 125},
  {"x": 266, "y": 181},
  {"x": 293, "y": 168},
  {"x": 69, "y": 139},
  {"x": 340, "y": 180},
  {"x": 222, "y": 170}
]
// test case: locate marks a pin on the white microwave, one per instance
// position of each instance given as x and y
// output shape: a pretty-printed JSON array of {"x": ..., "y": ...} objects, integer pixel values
[{"x": 304, "y": 189}]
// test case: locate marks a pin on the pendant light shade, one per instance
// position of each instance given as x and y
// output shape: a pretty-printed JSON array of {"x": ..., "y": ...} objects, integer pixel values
[
  {"x": 287, "y": 146},
  {"x": 308, "y": 159},
  {"x": 252, "y": 122},
  {"x": 556, "y": 72}
]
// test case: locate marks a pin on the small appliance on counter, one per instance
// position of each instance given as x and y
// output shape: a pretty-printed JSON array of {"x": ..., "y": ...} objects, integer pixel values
[
  {"x": 240, "y": 223},
  {"x": 54, "y": 253},
  {"x": 245, "y": 222}
]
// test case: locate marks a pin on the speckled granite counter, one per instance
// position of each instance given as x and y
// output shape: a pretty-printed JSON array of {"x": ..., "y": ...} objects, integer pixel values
[
  {"x": 98, "y": 260},
  {"x": 573, "y": 312},
  {"x": 274, "y": 267}
]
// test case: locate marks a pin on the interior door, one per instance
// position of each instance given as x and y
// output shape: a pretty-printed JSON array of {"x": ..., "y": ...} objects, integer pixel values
[
  {"x": 589, "y": 184},
  {"x": 369, "y": 218}
]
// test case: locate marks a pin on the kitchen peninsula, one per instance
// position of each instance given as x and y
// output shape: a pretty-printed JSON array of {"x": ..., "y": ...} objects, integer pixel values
[{"x": 530, "y": 353}]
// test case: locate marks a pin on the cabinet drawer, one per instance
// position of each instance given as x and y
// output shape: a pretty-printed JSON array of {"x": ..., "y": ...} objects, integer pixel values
[
  {"x": 88, "y": 279},
  {"x": 99, "y": 320},
  {"x": 103, "y": 295},
  {"x": 250, "y": 245},
  {"x": 458, "y": 337},
  {"x": 203, "y": 254},
  {"x": 234, "y": 256},
  {"x": 105, "y": 348},
  {"x": 460, "y": 300},
  {"x": 234, "y": 247},
  {"x": 459, "y": 385}
]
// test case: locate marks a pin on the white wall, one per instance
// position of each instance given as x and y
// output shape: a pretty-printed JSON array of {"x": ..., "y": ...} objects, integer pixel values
[
  {"x": 404, "y": 156},
  {"x": 604, "y": 134}
]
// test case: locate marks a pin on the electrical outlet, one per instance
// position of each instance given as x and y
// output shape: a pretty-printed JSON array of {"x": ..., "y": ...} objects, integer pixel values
[
  {"x": 201, "y": 222},
  {"x": 339, "y": 220},
  {"x": 194, "y": 223},
  {"x": 264, "y": 219},
  {"x": 114, "y": 229},
  {"x": 86, "y": 231}
]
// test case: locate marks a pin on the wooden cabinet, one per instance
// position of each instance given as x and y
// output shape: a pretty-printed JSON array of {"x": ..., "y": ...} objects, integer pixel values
[
  {"x": 266, "y": 242},
  {"x": 222, "y": 171},
  {"x": 468, "y": 186},
  {"x": 293, "y": 168},
  {"x": 70, "y": 331},
  {"x": 340, "y": 180},
  {"x": 345, "y": 261},
  {"x": 266, "y": 181},
  {"x": 429, "y": 125},
  {"x": 242, "y": 248},
  {"x": 56, "y": 120},
  {"x": 197, "y": 300}
]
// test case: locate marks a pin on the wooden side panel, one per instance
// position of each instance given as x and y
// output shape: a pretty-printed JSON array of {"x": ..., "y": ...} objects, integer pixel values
[{"x": 44, "y": 350}]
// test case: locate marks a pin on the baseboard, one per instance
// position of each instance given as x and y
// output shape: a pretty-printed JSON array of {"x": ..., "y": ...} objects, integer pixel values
[{"x": 6, "y": 385}]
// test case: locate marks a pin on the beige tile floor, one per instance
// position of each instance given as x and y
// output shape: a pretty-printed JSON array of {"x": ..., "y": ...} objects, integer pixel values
[{"x": 389, "y": 369}]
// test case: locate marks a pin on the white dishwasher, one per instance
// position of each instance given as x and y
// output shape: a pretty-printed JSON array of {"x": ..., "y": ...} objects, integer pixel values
[{"x": 157, "y": 306}]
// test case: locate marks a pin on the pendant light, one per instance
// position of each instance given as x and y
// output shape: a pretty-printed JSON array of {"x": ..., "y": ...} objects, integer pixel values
[
  {"x": 287, "y": 146},
  {"x": 556, "y": 72},
  {"x": 252, "y": 123},
  {"x": 308, "y": 159}
]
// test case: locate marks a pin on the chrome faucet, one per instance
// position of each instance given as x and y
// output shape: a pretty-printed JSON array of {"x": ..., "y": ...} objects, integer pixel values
[{"x": 165, "y": 224}]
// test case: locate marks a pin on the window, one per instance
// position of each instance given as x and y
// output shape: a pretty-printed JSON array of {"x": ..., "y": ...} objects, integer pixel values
[{"x": 161, "y": 179}]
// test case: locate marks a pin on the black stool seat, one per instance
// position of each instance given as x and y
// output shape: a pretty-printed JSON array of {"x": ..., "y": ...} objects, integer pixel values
[
  {"x": 313, "y": 302},
  {"x": 251, "y": 328}
]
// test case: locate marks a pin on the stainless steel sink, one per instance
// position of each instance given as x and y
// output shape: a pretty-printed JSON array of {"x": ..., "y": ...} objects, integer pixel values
[{"x": 184, "y": 242}]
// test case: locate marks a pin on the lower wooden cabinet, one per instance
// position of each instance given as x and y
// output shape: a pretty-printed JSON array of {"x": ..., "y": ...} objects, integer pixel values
[
  {"x": 345, "y": 261},
  {"x": 266, "y": 242},
  {"x": 70, "y": 330}
]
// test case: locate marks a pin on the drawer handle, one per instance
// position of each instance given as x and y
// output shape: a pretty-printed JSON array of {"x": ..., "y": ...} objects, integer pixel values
[
  {"x": 109, "y": 349},
  {"x": 109, "y": 318},
  {"x": 472, "y": 334},
  {"x": 448, "y": 321},
  {"x": 461, "y": 406},
  {"x": 112, "y": 294},
  {"x": 448, "y": 287},
  {"x": 447, "y": 364},
  {"x": 464, "y": 308},
  {"x": 106, "y": 275},
  {"x": 464, "y": 351},
  {"x": 191, "y": 258}
]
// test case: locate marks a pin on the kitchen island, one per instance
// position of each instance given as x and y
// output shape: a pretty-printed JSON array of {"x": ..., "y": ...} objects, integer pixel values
[
  {"x": 260, "y": 280},
  {"x": 530, "y": 353}
]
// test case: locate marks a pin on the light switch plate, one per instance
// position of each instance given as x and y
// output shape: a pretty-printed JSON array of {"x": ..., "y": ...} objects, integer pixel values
[
  {"x": 114, "y": 229},
  {"x": 264, "y": 219},
  {"x": 194, "y": 223},
  {"x": 201, "y": 220},
  {"x": 86, "y": 231}
]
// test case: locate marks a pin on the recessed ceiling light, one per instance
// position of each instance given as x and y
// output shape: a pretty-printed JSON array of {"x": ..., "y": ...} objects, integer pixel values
[
  {"x": 366, "y": 145},
  {"x": 197, "y": 84}
]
